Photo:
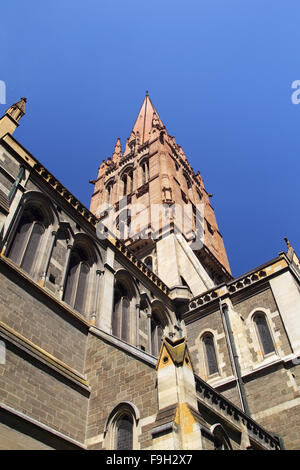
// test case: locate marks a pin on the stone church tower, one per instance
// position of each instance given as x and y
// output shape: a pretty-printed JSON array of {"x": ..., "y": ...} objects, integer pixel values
[
  {"x": 169, "y": 221},
  {"x": 121, "y": 327}
]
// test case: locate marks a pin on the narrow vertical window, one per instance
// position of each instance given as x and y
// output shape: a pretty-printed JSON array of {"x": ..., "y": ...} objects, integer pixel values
[
  {"x": 210, "y": 354},
  {"x": 124, "y": 180},
  {"x": 77, "y": 280},
  {"x": 145, "y": 171},
  {"x": 32, "y": 248},
  {"x": 124, "y": 431},
  {"x": 188, "y": 181},
  {"x": 121, "y": 313},
  {"x": 148, "y": 263},
  {"x": 264, "y": 333},
  {"x": 109, "y": 188},
  {"x": 130, "y": 177},
  {"x": 25, "y": 246}
]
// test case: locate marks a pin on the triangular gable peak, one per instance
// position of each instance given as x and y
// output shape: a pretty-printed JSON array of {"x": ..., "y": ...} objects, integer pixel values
[{"x": 174, "y": 351}]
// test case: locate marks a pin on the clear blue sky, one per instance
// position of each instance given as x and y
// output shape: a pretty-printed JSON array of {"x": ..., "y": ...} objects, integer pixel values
[{"x": 219, "y": 73}]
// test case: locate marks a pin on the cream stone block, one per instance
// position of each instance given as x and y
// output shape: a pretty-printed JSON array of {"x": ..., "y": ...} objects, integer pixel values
[
  {"x": 167, "y": 261},
  {"x": 106, "y": 294},
  {"x": 167, "y": 386},
  {"x": 287, "y": 296},
  {"x": 187, "y": 386}
]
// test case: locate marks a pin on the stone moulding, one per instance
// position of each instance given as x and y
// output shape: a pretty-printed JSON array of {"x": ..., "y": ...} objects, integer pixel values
[
  {"x": 238, "y": 284},
  {"x": 12, "y": 336},
  {"x": 211, "y": 397},
  {"x": 7, "y": 409}
]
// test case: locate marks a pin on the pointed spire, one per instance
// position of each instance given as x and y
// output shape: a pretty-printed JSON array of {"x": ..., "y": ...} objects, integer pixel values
[
  {"x": 147, "y": 119},
  {"x": 9, "y": 122},
  {"x": 117, "y": 151},
  {"x": 17, "y": 110}
]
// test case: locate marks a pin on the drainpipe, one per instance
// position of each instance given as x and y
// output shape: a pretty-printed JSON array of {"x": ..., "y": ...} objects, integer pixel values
[{"x": 234, "y": 358}]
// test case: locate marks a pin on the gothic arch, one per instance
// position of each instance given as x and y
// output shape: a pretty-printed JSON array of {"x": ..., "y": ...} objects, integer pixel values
[
  {"x": 125, "y": 304},
  {"x": 30, "y": 235},
  {"x": 81, "y": 281},
  {"x": 85, "y": 240},
  {"x": 162, "y": 322},
  {"x": 129, "y": 414},
  {"x": 208, "y": 354},
  {"x": 260, "y": 343},
  {"x": 222, "y": 441}
]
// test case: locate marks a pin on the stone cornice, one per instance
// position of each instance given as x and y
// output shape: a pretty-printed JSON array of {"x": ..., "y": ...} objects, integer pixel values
[
  {"x": 38, "y": 424},
  {"x": 140, "y": 265},
  {"x": 236, "y": 286},
  {"x": 210, "y": 397},
  {"x": 137, "y": 353}
]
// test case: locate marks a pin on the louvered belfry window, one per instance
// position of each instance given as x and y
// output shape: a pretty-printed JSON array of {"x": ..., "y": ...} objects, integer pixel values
[
  {"x": 25, "y": 247},
  {"x": 77, "y": 280},
  {"x": 264, "y": 333},
  {"x": 210, "y": 354}
]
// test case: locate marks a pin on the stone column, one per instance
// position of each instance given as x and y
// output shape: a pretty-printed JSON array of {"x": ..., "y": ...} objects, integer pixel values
[
  {"x": 104, "y": 320},
  {"x": 149, "y": 332},
  {"x": 176, "y": 391},
  {"x": 137, "y": 337},
  {"x": 94, "y": 312},
  {"x": 64, "y": 276},
  {"x": 44, "y": 275}
]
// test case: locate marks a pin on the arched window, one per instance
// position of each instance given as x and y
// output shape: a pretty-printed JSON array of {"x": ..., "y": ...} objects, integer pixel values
[
  {"x": 26, "y": 244},
  {"x": 210, "y": 354},
  {"x": 157, "y": 332},
  {"x": 127, "y": 182},
  {"x": 264, "y": 334},
  {"x": 149, "y": 263},
  {"x": 109, "y": 189},
  {"x": 121, "y": 313},
  {"x": 120, "y": 429},
  {"x": 77, "y": 279},
  {"x": 188, "y": 181},
  {"x": 124, "y": 432},
  {"x": 124, "y": 181},
  {"x": 130, "y": 182},
  {"x": 123, "y": 222},
  {"x": 145, "y": 171}
]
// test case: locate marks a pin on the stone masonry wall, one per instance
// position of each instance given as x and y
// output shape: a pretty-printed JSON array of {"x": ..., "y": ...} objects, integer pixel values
[{"x": 116, "y": 376}]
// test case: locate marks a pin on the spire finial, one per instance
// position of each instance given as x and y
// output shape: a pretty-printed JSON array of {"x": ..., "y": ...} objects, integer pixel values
[
  {"x": 147, "y": 93},
  {"x": 117, "y": 151},
  {"x": 287, "y": 242},
  {"x": 17, "y": 110}
]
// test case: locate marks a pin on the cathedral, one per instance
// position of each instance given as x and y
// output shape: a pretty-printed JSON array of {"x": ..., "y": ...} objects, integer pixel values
[{"x": 121, "y": 325}]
